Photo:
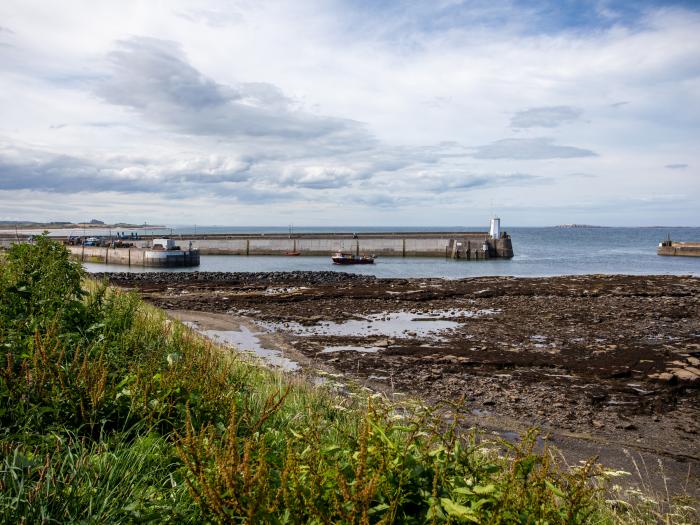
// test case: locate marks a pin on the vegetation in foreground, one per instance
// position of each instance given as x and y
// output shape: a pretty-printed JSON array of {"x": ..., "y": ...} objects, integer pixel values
[{"x": 111, "y": 413}]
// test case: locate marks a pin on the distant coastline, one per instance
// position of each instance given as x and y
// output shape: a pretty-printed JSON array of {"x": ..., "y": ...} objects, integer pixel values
[
  {"x": 29, "y": 225},
  {"x": 579, "y": 226}
]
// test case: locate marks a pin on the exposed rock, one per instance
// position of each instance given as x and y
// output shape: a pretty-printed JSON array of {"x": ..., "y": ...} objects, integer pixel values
[
  {"x": 684, "y": 374},
  {"x": 666, "y": 377}
]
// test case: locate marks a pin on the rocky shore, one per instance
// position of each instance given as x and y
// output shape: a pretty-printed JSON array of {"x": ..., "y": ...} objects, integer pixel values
[
  {"x": 230, "y": 278},
  {"x": 600, "y": 363}
]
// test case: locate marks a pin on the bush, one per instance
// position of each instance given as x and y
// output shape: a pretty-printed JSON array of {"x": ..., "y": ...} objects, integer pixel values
[{"x": 39, "y": 287}]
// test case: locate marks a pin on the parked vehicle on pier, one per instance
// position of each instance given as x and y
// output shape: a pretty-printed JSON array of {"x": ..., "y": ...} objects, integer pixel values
[{"x": 92, "y": 241}]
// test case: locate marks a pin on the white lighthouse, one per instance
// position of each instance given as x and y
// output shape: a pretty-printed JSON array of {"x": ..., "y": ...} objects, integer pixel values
[{"x": 495, "y": 231}]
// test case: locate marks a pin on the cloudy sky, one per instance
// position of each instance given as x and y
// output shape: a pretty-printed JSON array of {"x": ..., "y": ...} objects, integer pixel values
[{"x": 356, "y": 112}]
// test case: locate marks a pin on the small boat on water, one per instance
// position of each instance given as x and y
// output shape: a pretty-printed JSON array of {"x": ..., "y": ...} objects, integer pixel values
[
  {"x": 348, "y": 258},
  {"x": 293, "y": 254}
]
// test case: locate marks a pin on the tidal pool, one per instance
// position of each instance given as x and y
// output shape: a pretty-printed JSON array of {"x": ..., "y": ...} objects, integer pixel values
[
  {"x": 395, "y": 324},
  {"x": 245, "y": 340}
]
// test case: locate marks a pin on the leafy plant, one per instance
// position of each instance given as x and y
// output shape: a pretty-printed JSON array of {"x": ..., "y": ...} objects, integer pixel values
[{"x": 40, "y": 286}]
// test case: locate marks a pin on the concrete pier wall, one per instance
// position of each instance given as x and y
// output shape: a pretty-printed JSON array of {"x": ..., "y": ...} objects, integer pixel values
[
  {"x": 386, "y": 244},
  {"x": 683, "y": 249},
  {"x": 134, "y": 256}
]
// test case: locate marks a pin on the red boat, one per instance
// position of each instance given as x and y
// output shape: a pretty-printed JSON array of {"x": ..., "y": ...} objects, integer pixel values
[
  {"x": 348, "y": 258},
  {"x": 293, "y": 254}
]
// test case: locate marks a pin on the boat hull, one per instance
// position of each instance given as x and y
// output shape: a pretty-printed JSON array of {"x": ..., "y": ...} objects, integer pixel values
[
  {"x": 349, "y": 258},
  {"x": 351, "y": 261}
]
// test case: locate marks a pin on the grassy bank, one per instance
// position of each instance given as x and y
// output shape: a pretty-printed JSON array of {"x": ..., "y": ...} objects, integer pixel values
[{"x": 109, "y": 412}]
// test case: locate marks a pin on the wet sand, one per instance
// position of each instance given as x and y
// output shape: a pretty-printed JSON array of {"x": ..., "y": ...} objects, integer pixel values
[{"x": 605, "y": 366}]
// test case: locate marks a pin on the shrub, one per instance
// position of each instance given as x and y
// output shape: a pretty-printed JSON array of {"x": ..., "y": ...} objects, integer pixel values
[{"x": 40, "y": 286}]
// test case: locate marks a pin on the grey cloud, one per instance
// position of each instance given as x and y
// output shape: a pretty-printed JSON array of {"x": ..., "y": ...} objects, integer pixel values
[
  {"x": 60, "y": 174},
  {"x": 460, "y": 182},
  {"x": 341, "y": 171},
  {"x": 676, "y": 166},
  {"x": 208, "y": 176},
  {"x": 40, "y": 171},
  {"x": 544, "y": 117},
  {"x": 153, "y": 77},
  {"x": 264, "y": 196},
  {"x": 148, "y": 72},
  {"x": 381, "y": 200},
  {"x": 376, "y": 177},
  {"x": 397, "y": 158},
  {"x": 529, "y": 149},
  {"x": 619, "y": 104}
]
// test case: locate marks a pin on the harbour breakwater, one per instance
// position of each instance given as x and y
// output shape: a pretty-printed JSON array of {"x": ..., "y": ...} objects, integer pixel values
[
  {"x": 456, "y": 245},
  {"x": 687, "y": 249},
  {"x": 462, "y": 245},
  {"x": 466, "y": 245},
  {"x": 134, "y": 256}
]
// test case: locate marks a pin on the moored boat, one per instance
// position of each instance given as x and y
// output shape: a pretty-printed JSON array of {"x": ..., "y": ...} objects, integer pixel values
[
  {"x": 292, "y": 254},
  {"x": 348, "y": 258}
]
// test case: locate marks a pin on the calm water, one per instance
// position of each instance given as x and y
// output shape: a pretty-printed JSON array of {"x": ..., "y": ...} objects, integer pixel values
[{"x": 539, "y": 252}]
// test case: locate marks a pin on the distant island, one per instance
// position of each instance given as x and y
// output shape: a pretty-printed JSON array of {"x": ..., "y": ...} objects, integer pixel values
[{"x": 93, "y": 223}]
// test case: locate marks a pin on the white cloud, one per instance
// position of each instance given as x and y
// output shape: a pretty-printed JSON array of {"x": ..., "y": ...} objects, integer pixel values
[
  {"x": 154, "y": 78},
  {"x": 412, "y": 109}
]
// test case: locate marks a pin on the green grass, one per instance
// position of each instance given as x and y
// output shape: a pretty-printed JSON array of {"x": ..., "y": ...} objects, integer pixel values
[
  {"x": 109, "y": 412},
  {"x": 107, "y": 481}
]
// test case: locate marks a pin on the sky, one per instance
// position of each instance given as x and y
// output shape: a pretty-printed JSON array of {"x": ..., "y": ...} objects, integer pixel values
[{"x": 356, "y": 112}]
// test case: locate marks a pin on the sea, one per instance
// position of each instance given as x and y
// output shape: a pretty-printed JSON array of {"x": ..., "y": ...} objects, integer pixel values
[{"x": 539, "y": 252}]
